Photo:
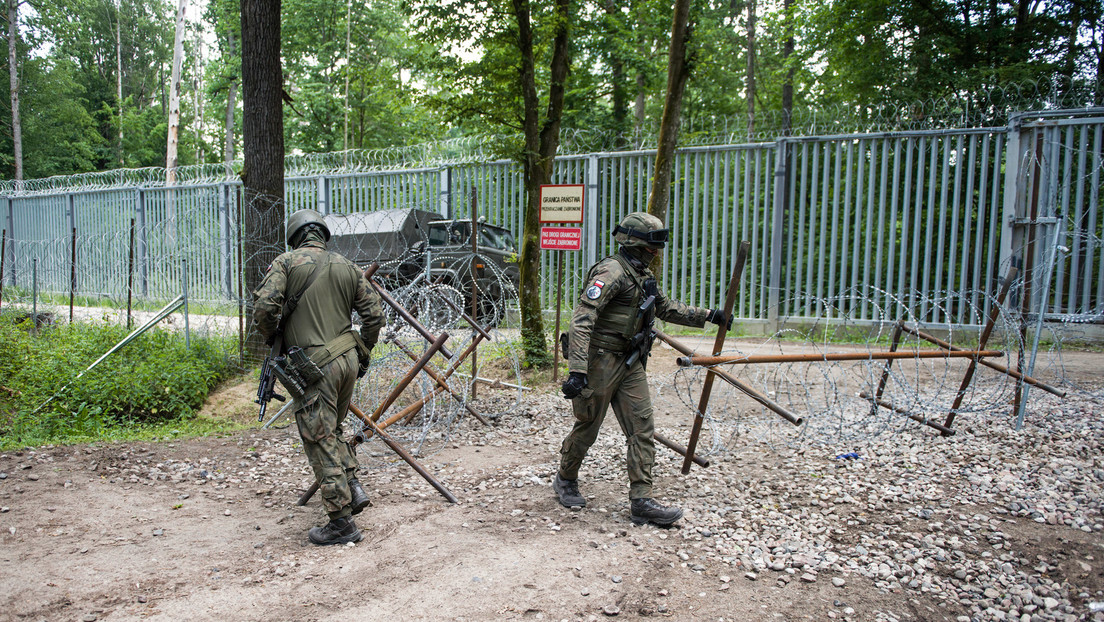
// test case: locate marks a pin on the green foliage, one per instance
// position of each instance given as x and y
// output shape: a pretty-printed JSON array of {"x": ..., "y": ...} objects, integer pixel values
[{"x": 152, "y": 381}]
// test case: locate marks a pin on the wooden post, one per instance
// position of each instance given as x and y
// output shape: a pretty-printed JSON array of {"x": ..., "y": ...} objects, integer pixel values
[{"x": 475, "y": 283}]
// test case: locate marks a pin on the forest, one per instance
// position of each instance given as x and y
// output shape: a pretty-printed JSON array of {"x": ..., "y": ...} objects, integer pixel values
[{"x": 91, "y": 81}]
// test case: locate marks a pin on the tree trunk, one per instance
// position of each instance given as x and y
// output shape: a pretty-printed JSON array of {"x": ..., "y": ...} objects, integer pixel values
[
  {"x": 678, "y": 71},
  {"x": 119, "y": 76},
  {"x": 751, "y": 71},
  {"x": 541, "y": 144},
  {"x": 174, "y": 95},
  {"x": 263, "y": 144},
  {"x": 348, "y": 69},
  {"x": 617, "y": 78},
  {"x": 13, "y": 70},
  {"x": 787, "y": 85},
  {"x": 231, "y": 106}
]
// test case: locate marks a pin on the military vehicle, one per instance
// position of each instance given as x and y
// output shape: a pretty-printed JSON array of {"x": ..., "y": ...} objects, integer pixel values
[{"x": 423, "y": 255}]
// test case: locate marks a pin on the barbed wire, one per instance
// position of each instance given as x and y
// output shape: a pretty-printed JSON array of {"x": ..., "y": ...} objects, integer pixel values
[
  {"x": 988, "y": 107},
  {"x": 828, "y": 394}
]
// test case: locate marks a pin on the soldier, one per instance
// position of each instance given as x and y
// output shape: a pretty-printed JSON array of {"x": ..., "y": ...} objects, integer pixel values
[
  {"x": 321, "y": 324},
  {"x": 608, "y": 345}
]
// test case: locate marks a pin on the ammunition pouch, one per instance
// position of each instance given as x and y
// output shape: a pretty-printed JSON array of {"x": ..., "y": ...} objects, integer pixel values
[{"x": 297, "y": 372}]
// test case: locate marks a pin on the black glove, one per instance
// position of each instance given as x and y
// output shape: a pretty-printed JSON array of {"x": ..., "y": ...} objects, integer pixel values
[
  {"x": 716, "y": 316},
  {"x": 363, "y": 369},
  {"x": 574, "y": 385}
]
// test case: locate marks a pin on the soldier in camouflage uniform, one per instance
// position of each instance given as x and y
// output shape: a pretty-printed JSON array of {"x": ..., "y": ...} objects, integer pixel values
[
  {"x": 321, "y": 325},
  {"x": 608, "y": 326}
]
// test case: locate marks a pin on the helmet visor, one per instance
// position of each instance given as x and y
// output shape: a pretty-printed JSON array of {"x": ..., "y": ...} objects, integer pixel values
[{"x": 656, "y": 237}]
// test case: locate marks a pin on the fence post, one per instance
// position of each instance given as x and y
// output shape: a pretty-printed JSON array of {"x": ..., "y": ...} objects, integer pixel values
[
  {"x": 444, "y": 192},
  {"x": 781, "y": 196},
  {"x": 323, "y": 184},
  {"x": 590, "y": 227},
  {"x": 11, "y": 232},
  {"x": 143, "y": 239},
  {"x": 1014, "y": 185},
  {"x": 224, "y": 221}
]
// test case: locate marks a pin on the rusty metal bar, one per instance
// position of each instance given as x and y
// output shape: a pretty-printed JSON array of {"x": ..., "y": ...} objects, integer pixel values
[
  {"x": 403, "y": 313},
  {"x": 412, "y": 462},
  {"x": 678, "y": 449},
  {"x": 884, "y": 404},
  {"x": 740, "y": 359},
  {"x": 968, "y": 377},
  {"x": 997, "y": 366},
  {"x": 360, "y": 436},
  {"x": 406, "y": 380},
  {"x": 729, "y": 378},
  {"x": 467, "y": 318},
  {"x": 441, "y": 379},
  {"x": 377, "y": 429},
  {"x": 718, "y": 346},
  {"x": 897, "y": 331}
]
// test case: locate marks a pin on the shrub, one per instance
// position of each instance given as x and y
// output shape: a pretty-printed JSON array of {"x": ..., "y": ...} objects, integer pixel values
[{"x": 46, "y": 396}]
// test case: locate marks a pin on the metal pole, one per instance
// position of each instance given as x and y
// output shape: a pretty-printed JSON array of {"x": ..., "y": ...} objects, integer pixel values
[
  {"x": 72, "y": 271},
  {"x": 34, "y": 296},
  {"x": 130, "y": 277},
  {"x": 994, "y": 313},
  {"x": 990, "y": 364},
  {"x": 3, "y": 260},
  {"x": 742, "y": 359},
  {"x": 475, "y": 281},
  {"x": 718, "y": 346},
  {"x": 184, "y": 294},
  {"x": 729, "y": 378},
  {"x": 403, "y": 313},
  {"x": 559, "y": 301}
]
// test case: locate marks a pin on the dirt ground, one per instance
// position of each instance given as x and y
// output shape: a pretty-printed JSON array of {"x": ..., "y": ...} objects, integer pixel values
[{"x": 209, "y": 529}]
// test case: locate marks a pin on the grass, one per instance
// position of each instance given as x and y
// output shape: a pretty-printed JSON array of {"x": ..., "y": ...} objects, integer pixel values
[{"x": 153, "y": 387}]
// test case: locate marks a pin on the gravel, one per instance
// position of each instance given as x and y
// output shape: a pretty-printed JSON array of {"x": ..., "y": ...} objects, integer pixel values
[{"x": 965, "y": 523}]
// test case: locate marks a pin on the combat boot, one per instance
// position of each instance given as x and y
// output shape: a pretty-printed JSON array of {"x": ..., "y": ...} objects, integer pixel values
[
  {"x": 337, "y": 531},
  {"x": 647, "y": 510},
  {"x": 360, "y": 498},
  {"x": 568, "y": 492}
]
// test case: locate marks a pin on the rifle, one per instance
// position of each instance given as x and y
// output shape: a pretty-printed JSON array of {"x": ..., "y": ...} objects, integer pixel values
[
  {"x": 267, "y": 389},
  {"x": 640, "y": 345}
]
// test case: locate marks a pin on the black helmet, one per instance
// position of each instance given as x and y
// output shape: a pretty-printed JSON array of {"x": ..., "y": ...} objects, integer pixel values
[
  {"x": 300, "y": 222},
  {"x": 641, "y": 229}
]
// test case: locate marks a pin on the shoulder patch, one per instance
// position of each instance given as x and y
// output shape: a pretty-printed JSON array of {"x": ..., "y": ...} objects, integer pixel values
[{"x": 595, "y": 290}]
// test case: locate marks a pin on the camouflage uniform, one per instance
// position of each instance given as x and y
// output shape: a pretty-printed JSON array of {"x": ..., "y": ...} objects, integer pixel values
[
  {"x": 322, "y": 326},
  {"x": 605, "y": 318}
]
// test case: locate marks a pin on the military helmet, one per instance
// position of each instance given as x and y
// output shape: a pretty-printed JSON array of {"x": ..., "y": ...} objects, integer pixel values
[
  {"x": 641, "y": 229},
  {"x": 299, "y": 222}
]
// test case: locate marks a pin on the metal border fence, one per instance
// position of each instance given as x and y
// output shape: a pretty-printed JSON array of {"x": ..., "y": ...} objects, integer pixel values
[{"x": 862, "y": 226}]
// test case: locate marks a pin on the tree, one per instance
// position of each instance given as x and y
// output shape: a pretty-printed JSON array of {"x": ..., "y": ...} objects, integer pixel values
[
  {"x": 541, "y": 142},
  {"x": 263, "y": 141},
  {"x": 499, "y": 90},
  {"x": 174, "y": 95},
  {"x": 678, "y": 72},
  {"x": 13, "y": 72}
]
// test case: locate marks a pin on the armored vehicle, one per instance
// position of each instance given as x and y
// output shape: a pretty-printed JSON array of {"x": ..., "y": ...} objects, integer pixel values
[{"x": 420, "y": 252}]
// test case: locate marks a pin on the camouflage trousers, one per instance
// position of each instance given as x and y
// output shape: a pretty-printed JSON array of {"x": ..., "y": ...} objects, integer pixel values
[
  {"x": 611, "y": 382},
  {"x": 319, "y": 417}
]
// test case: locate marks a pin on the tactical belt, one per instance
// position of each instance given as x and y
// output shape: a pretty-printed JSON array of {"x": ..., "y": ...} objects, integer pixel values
[{"x": 337, "y": 346}]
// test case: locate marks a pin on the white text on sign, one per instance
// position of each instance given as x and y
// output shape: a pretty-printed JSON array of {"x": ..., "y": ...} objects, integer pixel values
[{"x": 561, "y": 238}]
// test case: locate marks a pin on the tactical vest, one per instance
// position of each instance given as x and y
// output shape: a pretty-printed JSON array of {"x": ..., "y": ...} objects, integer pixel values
[{"x": 619, "y": 321}]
